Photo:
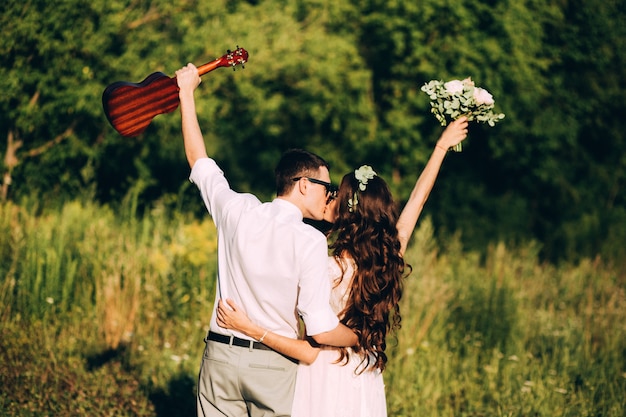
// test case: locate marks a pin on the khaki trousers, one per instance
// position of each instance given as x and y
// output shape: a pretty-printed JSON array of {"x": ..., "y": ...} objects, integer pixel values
[{"x": 243, "y": 382}]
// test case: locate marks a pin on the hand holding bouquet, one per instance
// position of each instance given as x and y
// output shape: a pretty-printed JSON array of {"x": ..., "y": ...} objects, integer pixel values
[{"x": 456, "y": 98}]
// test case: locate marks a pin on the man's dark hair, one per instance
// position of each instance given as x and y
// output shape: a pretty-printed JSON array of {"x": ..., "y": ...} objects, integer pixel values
[{"x": 296, "y": 163}]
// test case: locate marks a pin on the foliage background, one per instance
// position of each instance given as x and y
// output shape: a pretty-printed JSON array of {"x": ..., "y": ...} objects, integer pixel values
[{"x": 341, "y": 78}]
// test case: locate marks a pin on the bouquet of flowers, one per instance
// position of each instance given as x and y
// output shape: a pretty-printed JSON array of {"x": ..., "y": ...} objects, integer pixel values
[{"x": 455, "y": 98}]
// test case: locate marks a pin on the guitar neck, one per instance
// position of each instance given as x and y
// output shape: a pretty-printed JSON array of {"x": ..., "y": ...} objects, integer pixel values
[
  {"x": 232, "y": 58},
  {"x": 208, "y": 67}
]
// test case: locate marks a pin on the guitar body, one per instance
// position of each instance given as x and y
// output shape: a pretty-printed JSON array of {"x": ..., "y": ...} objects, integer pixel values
[{"x": 130, "y": 107}]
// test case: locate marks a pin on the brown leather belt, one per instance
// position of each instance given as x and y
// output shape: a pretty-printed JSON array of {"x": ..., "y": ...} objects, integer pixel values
[{"x": 235, "y": 341}]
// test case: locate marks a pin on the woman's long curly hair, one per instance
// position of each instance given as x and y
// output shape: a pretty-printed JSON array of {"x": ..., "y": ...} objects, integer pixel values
[{"x": 367, "y": 234}]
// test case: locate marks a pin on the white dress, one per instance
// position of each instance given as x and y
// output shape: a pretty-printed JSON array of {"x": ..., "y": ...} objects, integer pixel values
[{"x": 328, "y": 389}]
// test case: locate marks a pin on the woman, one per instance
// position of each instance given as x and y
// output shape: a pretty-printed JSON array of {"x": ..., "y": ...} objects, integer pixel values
[{"x": 366, "y": 269}]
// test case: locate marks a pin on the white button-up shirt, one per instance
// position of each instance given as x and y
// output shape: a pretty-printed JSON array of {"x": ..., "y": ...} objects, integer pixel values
[{"x": 270, "y": 262}]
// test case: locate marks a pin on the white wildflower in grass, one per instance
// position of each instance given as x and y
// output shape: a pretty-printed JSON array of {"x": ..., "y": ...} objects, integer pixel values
[
  {"x": 453, "y": 99},
  {"x": 527, "y": 387},
  {"x": 490, "y": 369},
  {"x": 49, "y": 300}
]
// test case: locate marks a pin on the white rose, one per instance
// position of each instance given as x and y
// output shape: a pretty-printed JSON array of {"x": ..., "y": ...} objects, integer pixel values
[
  {"x": 454, "y": 87},
  {"x": 482, "y": 96}
]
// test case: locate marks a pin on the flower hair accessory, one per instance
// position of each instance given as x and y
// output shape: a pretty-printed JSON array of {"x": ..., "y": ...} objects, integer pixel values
[{"x": 362, "y": 175}]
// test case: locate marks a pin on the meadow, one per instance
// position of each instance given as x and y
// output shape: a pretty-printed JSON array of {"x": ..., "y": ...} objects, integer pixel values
[{"x": 103, "y": 312}]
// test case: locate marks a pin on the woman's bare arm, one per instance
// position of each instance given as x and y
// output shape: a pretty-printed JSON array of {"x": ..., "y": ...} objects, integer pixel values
[
  {"x": 233, "y": 317},
  {"x": 454, "y": 133}
]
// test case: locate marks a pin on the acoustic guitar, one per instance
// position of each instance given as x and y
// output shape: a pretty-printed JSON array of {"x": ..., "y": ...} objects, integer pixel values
[{"x": 130, "y": 107}]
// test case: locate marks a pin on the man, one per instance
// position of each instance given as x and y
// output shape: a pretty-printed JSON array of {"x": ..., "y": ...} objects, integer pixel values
[{"x": 271, "y": 263}]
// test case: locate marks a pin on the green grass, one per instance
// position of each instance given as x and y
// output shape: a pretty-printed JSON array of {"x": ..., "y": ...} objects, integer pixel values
[
  {"x": 509, "y": 336},
  {"x": 104, "y": 314}
]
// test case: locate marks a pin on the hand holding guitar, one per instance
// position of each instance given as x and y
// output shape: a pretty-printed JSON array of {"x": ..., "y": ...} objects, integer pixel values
[
  {"x": 188, "y": 79},
  {"x": 130, "y": 107}
]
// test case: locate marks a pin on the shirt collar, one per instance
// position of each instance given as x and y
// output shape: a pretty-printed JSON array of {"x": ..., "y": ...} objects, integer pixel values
[{"x": 290, "y": 210}]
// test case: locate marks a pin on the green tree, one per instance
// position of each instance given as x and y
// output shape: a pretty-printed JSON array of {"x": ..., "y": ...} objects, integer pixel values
[
  {"x": 304, "y": 87},
  {"x": 341, "y": 78},
  {"x": 584, "y": 170},
  {"x": 552, "y": 68},
  {"x": 500, "y": 45},
  {"x": 46, "y": 73}
]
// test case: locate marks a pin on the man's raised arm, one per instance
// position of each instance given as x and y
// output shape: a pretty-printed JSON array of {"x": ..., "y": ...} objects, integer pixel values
[{"x": 188, "y": 80}]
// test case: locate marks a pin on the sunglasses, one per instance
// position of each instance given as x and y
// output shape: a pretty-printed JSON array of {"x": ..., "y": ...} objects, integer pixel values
[{"x": 331, "y": 190}]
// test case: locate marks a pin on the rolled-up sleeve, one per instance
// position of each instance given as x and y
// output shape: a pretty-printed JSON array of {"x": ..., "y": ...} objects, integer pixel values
[{"x": 313, "y": 300}]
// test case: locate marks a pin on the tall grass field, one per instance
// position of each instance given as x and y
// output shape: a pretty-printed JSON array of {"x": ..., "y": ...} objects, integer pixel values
[{"x": 103, "y": 313}]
